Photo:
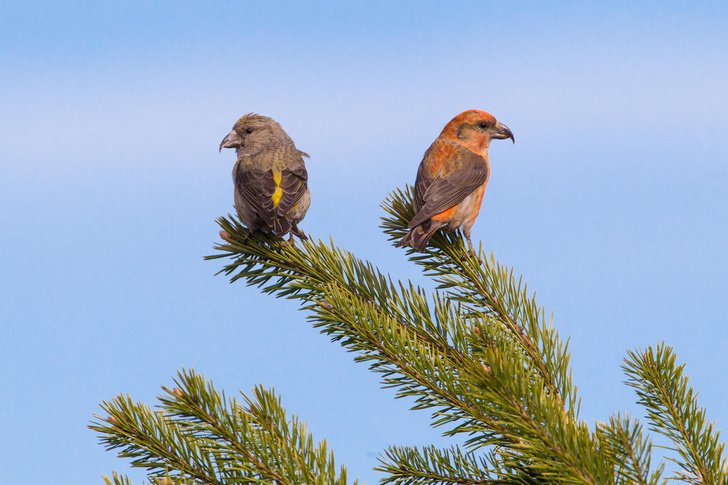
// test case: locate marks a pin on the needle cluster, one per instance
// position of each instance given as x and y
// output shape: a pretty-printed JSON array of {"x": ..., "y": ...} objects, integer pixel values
[{"x": 477, "y": 353}]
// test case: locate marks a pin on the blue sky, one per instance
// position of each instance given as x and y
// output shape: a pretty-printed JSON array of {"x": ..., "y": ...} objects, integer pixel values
[{"x": 612, "y": 203}]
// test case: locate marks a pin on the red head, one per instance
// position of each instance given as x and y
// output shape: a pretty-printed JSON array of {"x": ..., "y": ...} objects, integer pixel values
[{"x": 475, "y": 129}]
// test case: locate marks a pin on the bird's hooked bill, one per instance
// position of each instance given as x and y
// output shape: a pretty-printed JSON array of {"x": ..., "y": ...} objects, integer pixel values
[
  {"x": 231, "y": 140},
  {"x": 502, "y": 132}
]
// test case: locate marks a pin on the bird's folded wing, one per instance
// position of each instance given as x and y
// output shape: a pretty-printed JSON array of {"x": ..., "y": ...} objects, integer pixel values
[
  {"x": 268, "y": 198},
  {"x": 294, "y": 183},
  {"x": 445, "y": 190}
]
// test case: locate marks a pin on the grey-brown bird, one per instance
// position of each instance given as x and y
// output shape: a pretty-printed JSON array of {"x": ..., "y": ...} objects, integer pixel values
[
  {"x": 452, "y": 177},
  {"x": 271, "y": 182}
]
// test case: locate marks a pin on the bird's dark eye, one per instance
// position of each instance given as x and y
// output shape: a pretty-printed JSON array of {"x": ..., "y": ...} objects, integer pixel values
[
  {"x": 248, "y": 130},
  {"x": 483, "y": 124}
]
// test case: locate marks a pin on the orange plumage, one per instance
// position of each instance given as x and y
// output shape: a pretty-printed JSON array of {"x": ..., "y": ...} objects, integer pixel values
[{"x": 452, "y": 177}]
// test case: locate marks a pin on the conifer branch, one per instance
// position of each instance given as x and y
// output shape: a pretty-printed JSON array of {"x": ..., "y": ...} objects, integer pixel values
[
  {"x": 490, "y": 289},
  {"x": 199, "y": 436},
  {"x": 411, "y": 466},
  {"x": 672, "y": 409},
  {"x": 456, "y": 355},
  {"x": 631, "y": 453},
  {"x": 120, "y": 479},
  {"x": 477, "y": 352}
]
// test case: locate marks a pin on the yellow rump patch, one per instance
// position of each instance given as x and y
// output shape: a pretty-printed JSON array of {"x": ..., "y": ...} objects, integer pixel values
[{"x": 279, "y": 191}]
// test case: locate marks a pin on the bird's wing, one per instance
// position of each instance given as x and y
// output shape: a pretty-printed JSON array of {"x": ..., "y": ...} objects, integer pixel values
[
  {"x": 268, "y": 197},
  {"x": 435, "y": 193},
  {"x": 294, "y": 183},
  {"x": 256, "y": 187}
]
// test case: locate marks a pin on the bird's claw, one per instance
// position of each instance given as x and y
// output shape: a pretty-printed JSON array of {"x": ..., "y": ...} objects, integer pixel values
[
  {"x": 248, "y": 234},
  {"x": 471, "y": 253},
  {"x": 289, "y": 242},
  {"x": 471, "y": 249}
]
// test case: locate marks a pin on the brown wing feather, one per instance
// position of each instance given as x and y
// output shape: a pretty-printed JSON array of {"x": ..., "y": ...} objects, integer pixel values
[
  {"x": 257, "y": 188},
  {"x": 435, "y": 195},
  {"x": 294, "y": 184},
  {"x": 422, "y": 183}
]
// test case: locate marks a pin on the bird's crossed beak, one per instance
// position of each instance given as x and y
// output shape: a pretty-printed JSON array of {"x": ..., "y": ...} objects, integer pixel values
[
  {"x": 230, "y": 141},
  {"x": 501, "y": 132}
]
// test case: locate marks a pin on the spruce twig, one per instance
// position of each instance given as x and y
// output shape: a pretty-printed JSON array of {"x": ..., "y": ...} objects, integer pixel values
[{"x": 477, "y": 352}]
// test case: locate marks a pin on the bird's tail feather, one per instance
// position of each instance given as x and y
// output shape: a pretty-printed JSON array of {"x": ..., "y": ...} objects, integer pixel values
[
  {"x": 419, "y": 236},
  {"x": 297, "y": 232},
  {"x": 283, "y": 226}
]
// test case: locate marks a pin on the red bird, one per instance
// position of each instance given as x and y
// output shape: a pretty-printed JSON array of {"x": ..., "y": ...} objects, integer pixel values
[{"x": 452, "y": 177}]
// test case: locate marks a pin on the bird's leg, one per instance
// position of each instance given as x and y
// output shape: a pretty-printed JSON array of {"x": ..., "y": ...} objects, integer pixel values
[
  {"x": 289, "y": 242},
  {"x": 470, "y": 245},
  {"x": 295, "y": 231},
  {"x": 251, "y": 231}
]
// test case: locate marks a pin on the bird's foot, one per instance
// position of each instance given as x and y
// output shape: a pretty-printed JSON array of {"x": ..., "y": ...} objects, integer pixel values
[
  {"x": 226, "y": 237},
  {"x": 248, "y": 234},
  {"x": 471, "y": 249},
  {"x": 471, "y": 253},
  {"x": 289, "y": 242}
]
